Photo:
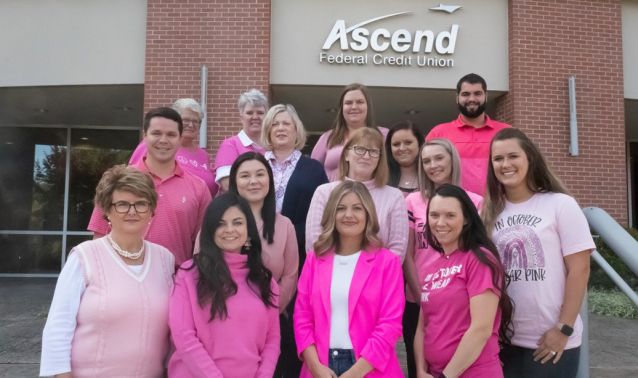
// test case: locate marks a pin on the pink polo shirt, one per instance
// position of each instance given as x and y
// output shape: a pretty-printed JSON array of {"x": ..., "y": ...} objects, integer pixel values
[
  {"x": 473, "y": 145},
  {"x": 181, "y": 202},
  {"x": 196, "y": 162},
  {"x": 230, "y": 149}
]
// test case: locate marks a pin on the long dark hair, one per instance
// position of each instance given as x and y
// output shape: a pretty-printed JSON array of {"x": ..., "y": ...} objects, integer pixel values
[
  {"x": 268, "y": 210},
  {"x": 540, "y": 177},
  {"x": 215, "y": 284},
  {"x": 474, "y": 239},
  {"x": 393, "y": 165}
]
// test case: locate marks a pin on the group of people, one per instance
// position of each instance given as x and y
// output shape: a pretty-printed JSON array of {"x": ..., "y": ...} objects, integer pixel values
[{"x": 271, "y": 263}]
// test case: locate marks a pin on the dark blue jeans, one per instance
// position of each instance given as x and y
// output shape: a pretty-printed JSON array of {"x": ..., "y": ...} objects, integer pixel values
[
  {"x": 340, "y": 360},
  {"x": 519, "y": 363}
]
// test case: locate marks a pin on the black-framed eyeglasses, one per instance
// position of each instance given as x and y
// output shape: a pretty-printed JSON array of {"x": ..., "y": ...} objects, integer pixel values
[
  {"x": 361, "y": 151},
  {"x": 124, "y": 207}
]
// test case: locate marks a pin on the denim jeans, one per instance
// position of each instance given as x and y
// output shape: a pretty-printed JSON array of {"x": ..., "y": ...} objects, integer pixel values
[
  {"x": 340, "y": 360},
  {"x": 519, "y": 362}
]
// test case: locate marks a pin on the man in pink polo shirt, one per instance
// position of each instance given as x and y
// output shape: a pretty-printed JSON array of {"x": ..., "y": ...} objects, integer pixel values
[
  {"x": 471, "y": 132},
  {"x": 182, "y": 197}
]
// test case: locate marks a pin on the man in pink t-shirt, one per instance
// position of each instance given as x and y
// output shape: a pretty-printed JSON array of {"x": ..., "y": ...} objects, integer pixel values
[
  {"x": 471, "y": 133},
  {"x": 182, "y": 197}
]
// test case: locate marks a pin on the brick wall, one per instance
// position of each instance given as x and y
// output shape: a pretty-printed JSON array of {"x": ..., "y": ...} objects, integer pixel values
[
  {"x": 230, "y": 37},
  {"x": 549, "y": 41}
]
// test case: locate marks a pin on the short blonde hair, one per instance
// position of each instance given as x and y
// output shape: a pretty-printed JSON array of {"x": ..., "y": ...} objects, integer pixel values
[
  {"x": 329, "y": 237},
  {"x": 366, "y": 135},
  {"x": 126, "y": 179},
  {"x": 266, "y": 126}
]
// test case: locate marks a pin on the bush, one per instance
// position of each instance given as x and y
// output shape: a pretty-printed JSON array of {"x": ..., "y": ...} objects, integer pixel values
[
  {"x": 598, "y": 279},
  {"x": 611, "y": 303}
]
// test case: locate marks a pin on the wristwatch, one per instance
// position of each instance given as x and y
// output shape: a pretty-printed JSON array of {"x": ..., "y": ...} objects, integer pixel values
[{"x": 565, "y": 329}]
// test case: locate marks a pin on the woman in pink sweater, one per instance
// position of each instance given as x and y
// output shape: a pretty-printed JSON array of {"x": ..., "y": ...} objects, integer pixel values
[
  {"x": 363, "y": 159},
  {"x": 251, "y": 177},
  {"x": 350, "y": 294},
  {"x": 223, "y": 312}
]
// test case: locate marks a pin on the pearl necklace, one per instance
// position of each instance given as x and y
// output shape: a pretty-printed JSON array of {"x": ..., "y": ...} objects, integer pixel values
[{"x": 124, "y": 253}]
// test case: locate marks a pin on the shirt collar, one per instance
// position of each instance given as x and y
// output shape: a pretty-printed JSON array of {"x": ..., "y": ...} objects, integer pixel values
[
  {"x": 245, "y": 139},
  {"x": 460, "y": 123},
  {"x": 141, "y": 165},
  {"x": 292, "y": 158}
]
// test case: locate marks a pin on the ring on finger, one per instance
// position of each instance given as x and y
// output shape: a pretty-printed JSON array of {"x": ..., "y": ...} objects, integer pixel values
[{"x": 552, "y": 353}]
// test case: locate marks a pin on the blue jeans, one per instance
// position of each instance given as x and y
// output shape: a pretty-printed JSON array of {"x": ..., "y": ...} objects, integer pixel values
[
  {"x": 519, "y": 363},
  {"x": 340, "y": 360}
]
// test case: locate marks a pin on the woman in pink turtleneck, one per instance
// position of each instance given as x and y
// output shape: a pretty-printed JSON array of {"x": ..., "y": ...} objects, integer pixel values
[
  {"x": 223, "y": 313},
  {"x": 363, "y": 159}
]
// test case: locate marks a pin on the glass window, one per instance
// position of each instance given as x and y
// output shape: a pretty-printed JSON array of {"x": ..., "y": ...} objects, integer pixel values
[
  {"x": 93, "y": 152},
  {"x": 30, "y": 253},
  {"x": 32, "y": 178}
]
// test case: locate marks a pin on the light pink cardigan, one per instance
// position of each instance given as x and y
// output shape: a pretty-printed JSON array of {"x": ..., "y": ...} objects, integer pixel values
[{"x": 375, "y": 308}]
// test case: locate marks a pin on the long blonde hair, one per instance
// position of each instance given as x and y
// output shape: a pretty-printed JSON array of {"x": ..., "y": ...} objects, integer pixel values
[
  {"x": 370, "y": 136},
  {"x": 329, "y": 237},
  {"x": 540, "y": 177},
  {"x": 426, "y": 186}
]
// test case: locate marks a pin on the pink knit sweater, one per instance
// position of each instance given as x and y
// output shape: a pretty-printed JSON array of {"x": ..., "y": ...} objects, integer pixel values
[
  {"x": 121, "y": 323},
  {"x": 245, "y": 344}
]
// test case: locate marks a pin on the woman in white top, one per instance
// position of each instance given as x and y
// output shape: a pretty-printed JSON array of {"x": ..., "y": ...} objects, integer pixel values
[
  {"x": 545, "y": 245},
  {"x": 350, "y": 295},
  {"x": 112, "y": 289}
]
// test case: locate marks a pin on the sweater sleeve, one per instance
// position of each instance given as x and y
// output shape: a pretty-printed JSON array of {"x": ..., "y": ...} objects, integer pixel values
[
  {"x": 398, "y": 225},
  {"x": 380, "y": 346},
  {"x": 288, "y": 281},
  {"x": 182, "y": 325},
  {"x": 62, "y": 319},
  {"x": 321, "y": 147},
  {"x": 315, "y": 212},
  {"x": 303, "y": 319},
  {"x": 270, "y": 354}
]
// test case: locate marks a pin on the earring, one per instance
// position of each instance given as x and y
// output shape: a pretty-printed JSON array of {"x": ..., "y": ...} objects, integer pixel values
[{"x": 248, "y": 244}]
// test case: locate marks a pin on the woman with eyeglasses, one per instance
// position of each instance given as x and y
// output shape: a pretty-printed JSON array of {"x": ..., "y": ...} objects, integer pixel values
[
  {"x": 355, "y": 111},
  {"x": 363, "y": 159},
  {"x": 109, "y": 314},
  {"x": 191, "y": 157}
]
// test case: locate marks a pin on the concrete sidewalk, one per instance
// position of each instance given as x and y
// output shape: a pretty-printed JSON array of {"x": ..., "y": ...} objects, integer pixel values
[{"x": 24, "y": 303}]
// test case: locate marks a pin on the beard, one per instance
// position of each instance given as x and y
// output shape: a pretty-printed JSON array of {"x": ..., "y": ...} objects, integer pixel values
[{"x": 472, "y": 113}]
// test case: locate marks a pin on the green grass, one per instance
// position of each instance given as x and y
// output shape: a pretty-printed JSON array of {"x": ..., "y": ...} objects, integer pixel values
[{"x": 611, "y": 303}]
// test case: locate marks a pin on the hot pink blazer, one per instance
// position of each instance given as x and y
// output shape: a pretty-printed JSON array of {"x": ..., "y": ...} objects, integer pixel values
[{"x": 375, "y": 308}]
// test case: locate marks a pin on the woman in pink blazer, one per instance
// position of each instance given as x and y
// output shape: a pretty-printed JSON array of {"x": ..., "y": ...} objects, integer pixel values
[{"x": 350, "y": 298}]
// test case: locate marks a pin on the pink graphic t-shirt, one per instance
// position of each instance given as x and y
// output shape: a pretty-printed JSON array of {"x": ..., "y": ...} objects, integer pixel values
[
  {"x": 417, "y": 208},
  {"x": 532, "y": 238},
  {"x": 447, "y": 285}
]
